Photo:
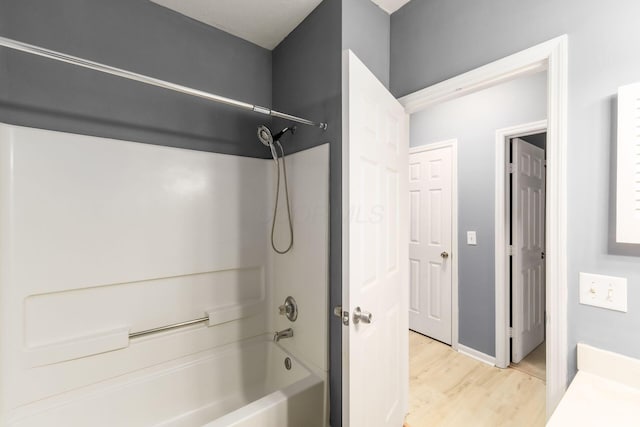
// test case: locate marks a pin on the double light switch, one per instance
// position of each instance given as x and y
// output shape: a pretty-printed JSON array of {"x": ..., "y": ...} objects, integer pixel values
[{"x": 603, "y": 291}]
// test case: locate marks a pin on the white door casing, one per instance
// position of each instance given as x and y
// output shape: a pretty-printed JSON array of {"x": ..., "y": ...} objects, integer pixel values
[
  {"x": 430, "y": 242},
  {"x": 528, "y": 234},
  {"x": 375, "y": 250}
]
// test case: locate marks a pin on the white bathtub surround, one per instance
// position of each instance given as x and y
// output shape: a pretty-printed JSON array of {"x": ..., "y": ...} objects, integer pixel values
[
  {"x": 102, "y": 238},
  {"x": 606, "y": 391},
  {"x": 303, "y": 272}
]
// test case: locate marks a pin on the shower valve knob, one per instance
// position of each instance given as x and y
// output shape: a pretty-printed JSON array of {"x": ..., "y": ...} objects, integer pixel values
[
  {"x": 289, "y": 309},
  {"x": 284, "y": 309}
]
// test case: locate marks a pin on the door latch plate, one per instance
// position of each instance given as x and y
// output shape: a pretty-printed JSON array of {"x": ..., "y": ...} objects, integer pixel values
[{"x": 342, "y": 315}]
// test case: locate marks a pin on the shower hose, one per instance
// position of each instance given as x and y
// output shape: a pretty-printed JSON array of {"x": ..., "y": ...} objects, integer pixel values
[{"x": 286, "y": 192}]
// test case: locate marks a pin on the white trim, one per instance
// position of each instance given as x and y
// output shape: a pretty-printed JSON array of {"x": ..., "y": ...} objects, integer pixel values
[
  {"x": 556, "y": 223},
  {"x": 453, "y": 143},
  {"x": 345, "y": 184},
  {"x": 552, "y": 56},
  {"x": 501, "y": 228},
  {"x": 526, "y": 62},
  {"x": 455, "y": 317},
  {"x": 477, "y": 355},
  {"x": 436, "y": 145}
]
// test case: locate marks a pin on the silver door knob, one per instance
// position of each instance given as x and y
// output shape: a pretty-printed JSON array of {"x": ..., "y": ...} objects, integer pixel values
[
  {"x": 361, "y": 316},
  {"x": 444, "y": 254}
]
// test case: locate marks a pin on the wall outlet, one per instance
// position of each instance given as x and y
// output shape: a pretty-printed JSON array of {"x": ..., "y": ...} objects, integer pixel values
[
  {"x": 471, "y": 238},
  {"x": 603, "y": 291}
]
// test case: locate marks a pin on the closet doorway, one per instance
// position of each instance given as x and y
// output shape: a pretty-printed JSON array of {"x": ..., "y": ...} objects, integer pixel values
[
  {"x": 520, "y": 248},
  {"x": 527, "y": 196}
]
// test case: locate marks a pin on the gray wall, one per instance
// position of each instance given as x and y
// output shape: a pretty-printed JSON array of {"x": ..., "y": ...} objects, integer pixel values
[
  {"x": 366, "y": 30},
  {"x": 307, "y": 77},
  {"x": 432, "y": 40},
  {"x": 539, "y": 140},
  {"x": 4, "y": 84},
  {"x": 473, "y": 121},
  {"x": 307, "y": 81},
  {"x": 139, "y": 36}
]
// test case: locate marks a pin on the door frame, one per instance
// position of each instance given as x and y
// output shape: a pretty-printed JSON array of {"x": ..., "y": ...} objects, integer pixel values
[
  {"x": 551, "y": 56},
  {"x": 502, "y": 223},
  {"x": 453, "y": 143}
]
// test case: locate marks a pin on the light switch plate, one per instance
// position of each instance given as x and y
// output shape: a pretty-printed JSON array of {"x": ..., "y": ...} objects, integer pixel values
[
  {"x": 471, "y": 238},
  {"x": 603, "y": 291}
]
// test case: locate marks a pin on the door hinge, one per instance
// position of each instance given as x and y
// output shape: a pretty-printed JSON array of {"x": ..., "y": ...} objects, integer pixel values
[
  {"x": 510, "y": 250},
  {"x": 510, "y": 168},
  {"x": 510, "y": 332},
  {"x": 342, "y": 315}
]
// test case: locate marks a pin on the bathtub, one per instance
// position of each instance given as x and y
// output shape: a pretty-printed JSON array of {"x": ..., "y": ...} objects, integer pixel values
[{"x": 243, "y": 384}]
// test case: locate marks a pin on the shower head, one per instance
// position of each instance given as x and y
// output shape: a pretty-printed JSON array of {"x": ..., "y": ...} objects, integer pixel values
[{"x": 267, "y": 138}]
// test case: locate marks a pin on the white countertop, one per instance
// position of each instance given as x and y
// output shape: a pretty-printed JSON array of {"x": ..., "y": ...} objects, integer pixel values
[{"x": 594, "y": 400}]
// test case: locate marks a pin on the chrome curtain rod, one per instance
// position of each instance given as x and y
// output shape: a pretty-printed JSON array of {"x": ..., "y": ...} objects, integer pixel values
[{"x": 74, "y": 60}]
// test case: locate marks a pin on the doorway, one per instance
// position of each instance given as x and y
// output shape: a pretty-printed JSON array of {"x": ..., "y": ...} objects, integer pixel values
[
  {"x": 526, "y": 201},
  {"x": 521, "y": 292},
  {"x": 472, "y": 120}
]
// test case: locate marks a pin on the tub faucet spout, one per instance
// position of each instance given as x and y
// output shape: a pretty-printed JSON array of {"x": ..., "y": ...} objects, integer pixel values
[{"x": 287, "y": 333}]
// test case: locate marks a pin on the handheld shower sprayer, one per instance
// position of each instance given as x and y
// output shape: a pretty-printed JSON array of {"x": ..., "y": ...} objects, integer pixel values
[{"x": 266, "y": 137}]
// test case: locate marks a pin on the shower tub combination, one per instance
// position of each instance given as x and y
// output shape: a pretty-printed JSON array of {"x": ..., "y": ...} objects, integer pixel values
[
  {"x": 151, "y": 247},
  {"x": 132, "y": 348},
  {"x": 243, "y": 384}
]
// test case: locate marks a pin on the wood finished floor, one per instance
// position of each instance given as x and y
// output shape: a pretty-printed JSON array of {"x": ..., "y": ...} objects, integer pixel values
[
  {"x": 534, "y": 363},
  {"x": 453, "y": 390}
]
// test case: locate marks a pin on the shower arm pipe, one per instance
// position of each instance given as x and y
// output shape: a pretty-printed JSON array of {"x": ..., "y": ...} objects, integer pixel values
[{"x": 85, "y": 63}]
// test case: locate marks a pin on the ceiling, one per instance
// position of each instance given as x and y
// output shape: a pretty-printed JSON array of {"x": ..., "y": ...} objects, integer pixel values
[
  {"x": 262, "y": 22},
  {"x": 390, "y": 6}
]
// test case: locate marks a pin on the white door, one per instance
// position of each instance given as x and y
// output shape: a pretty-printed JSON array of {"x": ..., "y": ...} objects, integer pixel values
[
  {"x": 375, "y": 251},
  {"x": 430, "y": 231},
  {"x": 528, "y": 231}
]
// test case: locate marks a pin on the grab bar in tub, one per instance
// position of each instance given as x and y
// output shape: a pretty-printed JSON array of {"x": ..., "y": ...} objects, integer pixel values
[
  {"x": 167, "y": 327},
  {"x": 118, "y": 338},
  {"x": 214, "y": 317}
]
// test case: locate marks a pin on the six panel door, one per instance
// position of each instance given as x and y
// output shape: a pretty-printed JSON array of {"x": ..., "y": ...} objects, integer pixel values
[
  {"x": 430, "y": 234},
  {"x": 528, "y": 265}
]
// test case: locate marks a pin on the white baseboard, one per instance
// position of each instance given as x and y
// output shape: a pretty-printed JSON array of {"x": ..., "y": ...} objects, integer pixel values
[{"x": 475, "y": 354}]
